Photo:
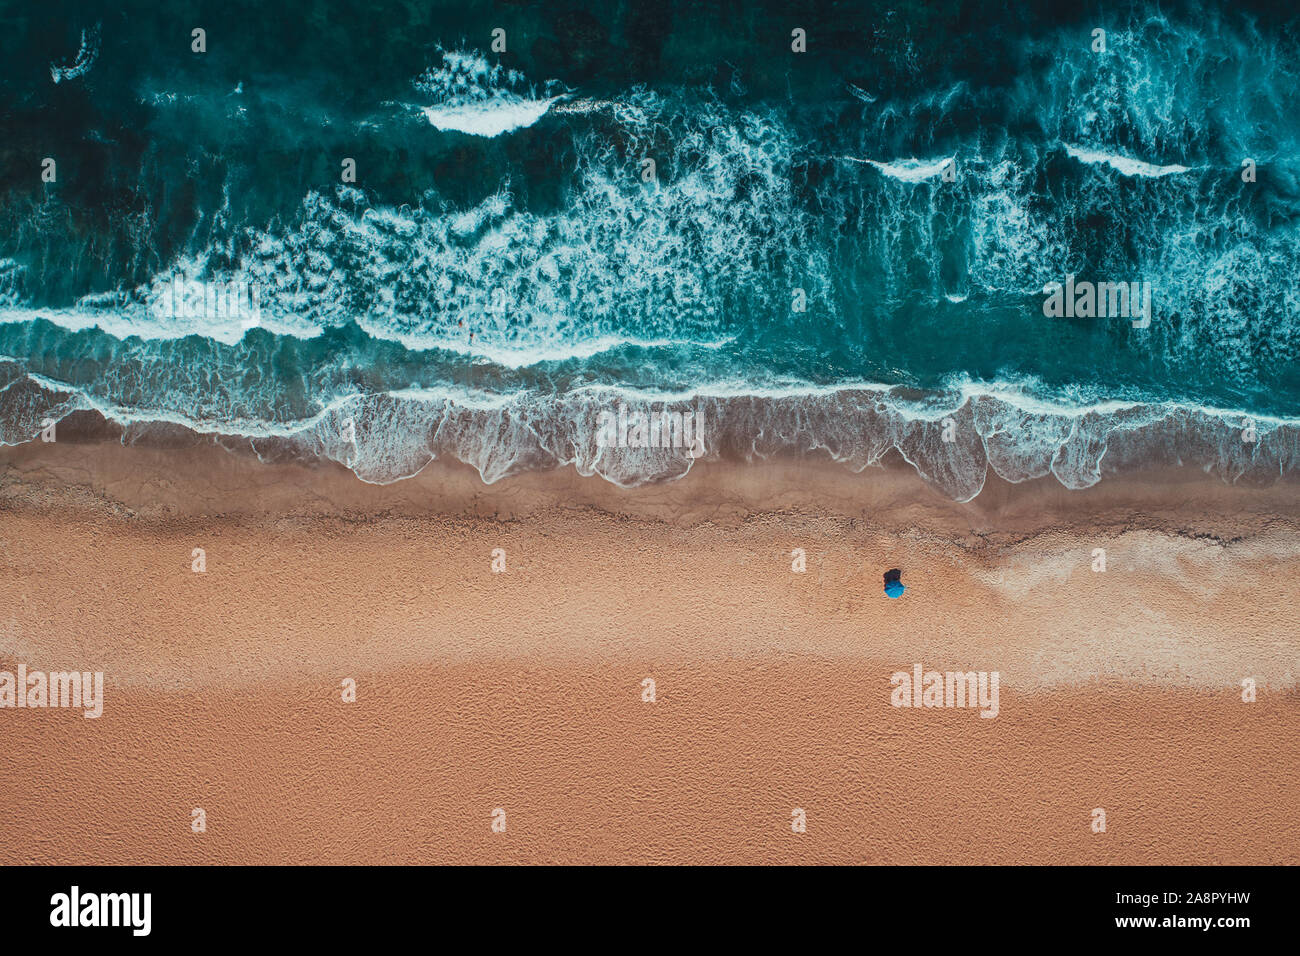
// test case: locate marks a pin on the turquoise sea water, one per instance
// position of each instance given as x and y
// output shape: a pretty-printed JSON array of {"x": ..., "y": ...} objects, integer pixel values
[{"x": 797, "y": 267}]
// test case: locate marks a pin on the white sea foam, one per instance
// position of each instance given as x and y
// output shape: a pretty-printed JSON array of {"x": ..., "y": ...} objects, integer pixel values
[
  {"x": 488, "y": 119},
  {"x": 87, "y": 53},
  {"x": 908, "y": 170},
  {"x": 621, "y": 263},
  {"x": 951, "y": 437},
  {"x": 861, "y": 94},
  {"x": 1125, "y": 165},
  {"x": 478, "y": 99}
]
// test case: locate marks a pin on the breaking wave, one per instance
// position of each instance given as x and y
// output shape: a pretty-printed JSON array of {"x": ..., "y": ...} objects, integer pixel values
[{"x": 474, "y": 97}]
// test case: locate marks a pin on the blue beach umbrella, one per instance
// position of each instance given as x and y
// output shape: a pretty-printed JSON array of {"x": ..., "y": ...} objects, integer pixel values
[{"x": 893, "y": 583}]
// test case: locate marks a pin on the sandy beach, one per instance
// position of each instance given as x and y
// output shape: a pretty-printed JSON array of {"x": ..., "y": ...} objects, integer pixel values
[{"x": 524, "y": 689}]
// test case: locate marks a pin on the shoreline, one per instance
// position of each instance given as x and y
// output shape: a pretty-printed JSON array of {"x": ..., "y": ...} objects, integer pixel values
[{"x": 188, "y": 479}]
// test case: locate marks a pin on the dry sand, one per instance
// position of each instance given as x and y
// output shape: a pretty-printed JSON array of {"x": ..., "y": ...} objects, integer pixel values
[{"x": 523, "y": 690}]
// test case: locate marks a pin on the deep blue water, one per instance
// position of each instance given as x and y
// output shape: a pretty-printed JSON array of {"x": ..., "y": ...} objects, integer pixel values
[{"x": 799, "y": 269}]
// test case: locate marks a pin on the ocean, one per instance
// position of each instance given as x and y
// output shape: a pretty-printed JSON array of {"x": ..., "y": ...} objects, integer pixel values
[{"x": 385, "y": 234}]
